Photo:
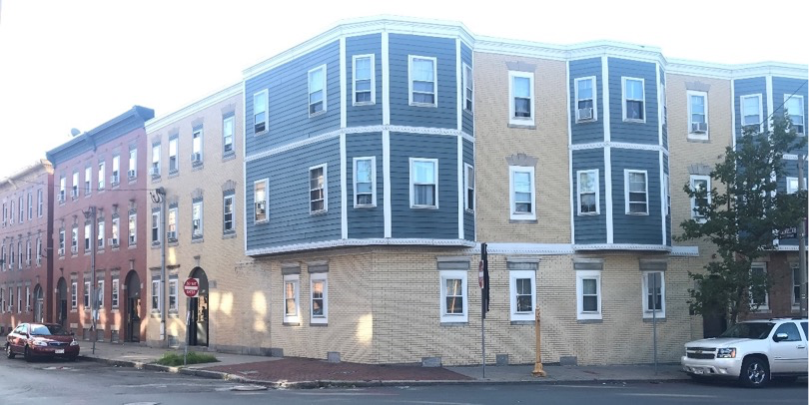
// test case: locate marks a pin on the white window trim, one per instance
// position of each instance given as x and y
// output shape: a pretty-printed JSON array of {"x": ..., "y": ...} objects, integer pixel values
[
  {"x": 100, "y": 294},
  {"x": 468, "y": 79},
  {"x": 512, "y": 214},
  {"x": 309, "y": 91},
  {"x": 373, "y": 81},
  {"x": 580, "y": 192},
  {"x": 513, "y": 277},
  {"x": 643, "y": 100},
  {"x": 266, "y": 111},
  {"x": 325, "y": 189},
  {"x": 156, "y": 225},
  {"x": 582, "y": 315},
  {"x": 156, "y": 284},
  {"x": 435, "y": 162},
  {"x": 176, "y": 295},
  {"x": 86, "y": 299},
  {"x": 435, "y": 82},
  {"x": 88, "y": 238},
  {"x": 115, "y": 290},
  {"x": 594, "y": 116},
  {"x": 512, "y": 119},
  {"x": 202, "y": 222},
  {"x": 295, "y": 278},
  {"x": 74, "y": 295},
  {"x": 373, "y": 181},
  {"x": 765, "y": 307},
  {"x": 116, "y": 170},
  {"x": 266, "y": 201},
  {"x": 645, "y": 307},
  {"x": 692, "y": 134},
  {"x": 176, "y": 155},
  {"x": 325, "y": 278},
  {"x": 202, "y": 146},
  {"x": 155, "y": 169},
  {"x": 100, "y": 235},
  {"x": 232, "y": 119},
  {"x": 667, "y": 192},
  {"x": 132, "y": 164},
  {"x": 742, "y": 110},
  {"x": 801, "y": 101},
  {"x": 444, "y": 316},
  {"x": 233, "y": 213},
  {"x": 692, "y": 180},
  {"x": 469, "y": 169},
  {"x": 627, "y": 192},
  {"x": 132, "y": 233}
]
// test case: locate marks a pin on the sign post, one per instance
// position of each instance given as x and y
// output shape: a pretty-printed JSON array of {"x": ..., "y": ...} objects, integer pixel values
[
  {"x": 191, "y": 287},
  {"x": 483, "y": 312}
]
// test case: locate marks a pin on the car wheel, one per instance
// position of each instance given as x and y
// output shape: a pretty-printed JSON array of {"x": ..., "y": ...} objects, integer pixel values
[
  {"x": 27, "y": 355},
  {"x": 9, "y": 353},
  {"x": 755, "y": 372}
]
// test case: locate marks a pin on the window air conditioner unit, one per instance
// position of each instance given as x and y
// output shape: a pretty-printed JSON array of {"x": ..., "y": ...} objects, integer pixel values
[
  {"x": 196, "y": 157},
  {"x": 586, "y": 114},
  {"x": 172, "y": 235},
  {"x": 131, "y": 174},
  {"x": 700, "y": 127},
  {"x": 74, "y": 248}
]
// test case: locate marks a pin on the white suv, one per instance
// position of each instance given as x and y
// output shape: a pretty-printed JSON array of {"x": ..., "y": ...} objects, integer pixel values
[{"x": 753, "y": 351}]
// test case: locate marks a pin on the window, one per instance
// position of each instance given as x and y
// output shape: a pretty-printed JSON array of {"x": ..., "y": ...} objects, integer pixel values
[
  {"x": 588, "y": 192},
  {"x": 227, "y": 214},
  {"x": 86, "y": 294},
  {"x": 759, "y": 297},
  {"x": 197, "y": 220},
  {"x": 521, "y": 194},
  {"x": 260, "y": 112},
  {"x": 61, "y": 241},
  {"x": 101, "y": 176},
  {"x": 19, "y": 299},
  {"x": 635, "y": 192},
  {"x": 522, "y": 295},
  {"x": 173, "y": 295},
  {"x": 20, "y": 254},
  {"x": 114, "y": 242},
  {"x": 133, "y": 232},
  {"x": 155, "y": 227},
  {"x": 28, "y": 253},
  {"x": 469, "y": 187},
  {"x": 701, "y": 185},
  {"x": 5, "y": 214},
  {"x": 10, "y": 300},
  {"x": 115, "y": 293},
  {"x": 22, "y": 210},
  {"x": 662, "y": 101},
  {"x": 196, "y": 147},
  {"x": 11, "y": 258},
  {"x": 87, "y": 238},
  {"x": 797, "y": 287},
  {"x": 521, "y": 98},
  {"x": 319, "y": 297},
  {"x": 100, "y": 294},
  {"x": 260, "y": 200},
  {"x": 12, "y": 208},
  {"x": 468, "y": 88},
  {"x": 227, "y": 134},
  {"x": 633, "y": 97},
  {"x": 74, "y": 188},
  {"x": 3, "y": 260},
  {"x": 116, "y": 167},
  {"x": 795, "y": 109},
  {"x": 791, "y": 331},
  {"x": 666, "y": 187},
  {"x": 751, "y": 117},
  {"x": 317, "y": 90},
  {"x": 27, "y": 298},
  {"x": 424, "y": 183},
  {"x": 365, "y": 182},
  {"x": 585, "y": 95},
  {"x": 363, "y": 83},
  {"x": 30, "y": 206},
  {"x": 172, "y": 235},
  {"x": 74, "y": 240},
  {"x": 174, "y": 165},
  {"x": 74, "y": 289},
  {"x": 61, "y": 196},
  {"x": 39, "y": 251},
  {"x": 453, "y": 296},
  {"x": 422, "y": 81},
  {"x": 100, "y": 237},
  {"x": 698, "y": 115},
  {"x": 88, "y": 179},
  {"x": 291, "y": 298},
  {"x": 317, "y": 189},
  {"x": 589, "y": 294},
  {"x": 155, "y": 170},
  {"x": 654, "y": 294},
  {"x": 133, "y": 164},
  {"x": 155, "y": 295}
]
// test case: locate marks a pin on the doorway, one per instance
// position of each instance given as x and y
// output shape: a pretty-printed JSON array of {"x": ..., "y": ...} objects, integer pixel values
[
  {"x": 132, "y": 315},
  {"x": 198, "y": 312},
  {"x": 62, "y": 303},
  {"x": 38, "y": 305}
]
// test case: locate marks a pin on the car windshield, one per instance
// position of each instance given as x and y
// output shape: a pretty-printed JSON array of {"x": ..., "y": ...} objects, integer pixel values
[
  {"x": 46, "y": 329},
  {"x": 748, "y": 331}
]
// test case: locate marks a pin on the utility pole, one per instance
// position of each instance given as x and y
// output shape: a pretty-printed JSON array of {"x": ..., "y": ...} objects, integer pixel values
[
  {"x": 802, "y": 247},
  {"x": 91, "y": 214}
]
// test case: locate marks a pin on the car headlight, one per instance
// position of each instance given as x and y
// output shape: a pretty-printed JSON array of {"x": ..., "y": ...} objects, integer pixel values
[
  {"x": 74, "y": 343},
  {"x": 727, "y": 352},
  {"x": 40, "y": 343}
]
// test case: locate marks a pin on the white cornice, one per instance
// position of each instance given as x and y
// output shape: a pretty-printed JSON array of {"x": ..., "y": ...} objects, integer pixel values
[
  {"x": 622, "y": 247},
  {"x": 737, "y": 71},
  {"x": 359, "y": 242},
  {"x": 619, "y": 145},
  {"x": 159, "y": 123}
]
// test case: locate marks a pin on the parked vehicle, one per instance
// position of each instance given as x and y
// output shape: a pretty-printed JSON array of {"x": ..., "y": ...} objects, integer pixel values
[
  {"x": 753, "y": 352},
  {"x": 41, "y": 340}
]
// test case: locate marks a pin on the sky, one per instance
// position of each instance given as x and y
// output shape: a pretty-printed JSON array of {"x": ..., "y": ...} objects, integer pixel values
[{"x": 79, "y": 63}]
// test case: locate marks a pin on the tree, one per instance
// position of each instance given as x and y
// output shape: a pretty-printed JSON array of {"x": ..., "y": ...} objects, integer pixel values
[{"x": 742, "y": 218}]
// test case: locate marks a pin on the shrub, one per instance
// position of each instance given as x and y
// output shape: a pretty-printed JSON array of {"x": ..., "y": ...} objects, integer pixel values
[{"x": 173, "y": 359}]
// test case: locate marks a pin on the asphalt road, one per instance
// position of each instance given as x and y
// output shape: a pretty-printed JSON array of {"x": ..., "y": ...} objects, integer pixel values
[{"x": 86, "y": 383}]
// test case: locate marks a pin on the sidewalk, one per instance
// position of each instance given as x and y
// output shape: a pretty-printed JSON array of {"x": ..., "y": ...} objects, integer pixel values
[{"x": 296, "y": 372}]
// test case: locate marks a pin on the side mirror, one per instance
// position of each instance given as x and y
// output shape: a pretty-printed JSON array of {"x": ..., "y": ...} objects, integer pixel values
[{"x": 780, "y": 337}]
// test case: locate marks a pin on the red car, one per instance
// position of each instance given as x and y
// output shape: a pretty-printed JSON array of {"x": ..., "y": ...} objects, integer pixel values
[{"x": 41, "y": 340}]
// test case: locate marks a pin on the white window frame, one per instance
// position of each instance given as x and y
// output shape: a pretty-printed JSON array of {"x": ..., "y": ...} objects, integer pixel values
[
  {"x": 102, "y": 171},
  {"x": 62, "y": 241},
  {"x": 692, "y": 202},
  {"x": 155, "y": 298},
  {"x": 74, "y": 240},
  {"x": 172, "y": 226},
  {"x": 86, "y": 298},
  {"x": 627, "y": 192},
  {"x": 266, "y": 111},
  {"x": 625, "y": 99},
  {"x": 800, "y": 98},
  {"x": 74, "y": 295},
  {"x": 444, "y": 317},
  {"x": 173, "y": 288},
  {"x": 512, "y": 119},
  {"x": 225, "y": 199},
  {"x": 295, "y": 317},
  {"x": 667, "y": 192},
  {"x": 100, "y": 237},
  {"x": 411, "y": 80},
  {"x": 88, "y": 180},
  {"x": 692, "y": 134},
  {"x": 469, "y": 86},
  {"x": 646, "y": 311},
  {"x": 225, "y": 135},
  {"x": 27, "y": 298},
  {"x": 323, "y": 277},
  {"x": 88, "y": 238},
  {"x": 589, "y": 315},
  {"x": 39, "y": 251},
  {"x": 373, "y": 181},
  {"x": 514, "y": 314},
  {"x": 310, "y": 91},
  {"x": 266, "y": 200},
  {"x": 115, "y": 231},
  {"x": 133, "y": 231},
  {"x": 197, "y": 136},
  {"x": 155, "y": 227},
  {"x": 115, "y": 294},
  {"x": 100, "y": 294},
  {"x": 132, "y": 166},
  {"x": 201, "y": 233},
  {"x": 74, "y": 188},
  {"x": 116, "y": 170},
  {"x": 40, "y": 203},
  {"x": 62, "y": 195},
  {"x": 594, "y": 115},
  {"x": 325, "y": 208},
  {"x": 742, "y": 111},
  {"x": 469, "y": 174},
  {"x": 176, "y": 143},
  {"x": 30, "y": 203},
  {"x": 580, "y": 192},
  {"x": 155, "y": 170},
  {"x": 766, "y": 306},
  {"x": 513, "y": 214},
  {"x": 372, "y": 80},
  {"x": 412, "y": 184}
]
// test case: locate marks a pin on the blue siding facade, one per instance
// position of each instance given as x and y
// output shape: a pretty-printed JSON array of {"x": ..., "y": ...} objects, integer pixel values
[
  {"x": 636, "y": 229},
  {"x": 364, "y": 115},
  {"x": 593, "y": 131},
  {"x": 783, "y": 88},
  {"x": 665, "y": 136},
  {"x": 589, "y": 229},
  {"x": 744, "y": 87},
  {"x": 668, "y": 213},
  {"x": 364, "y": 222},
  {"x": 467, "y": 120},
  {"x": 444, "y": 50},
  {"x": 633, "y": 132},
  {"x": 469, "y": 217}
]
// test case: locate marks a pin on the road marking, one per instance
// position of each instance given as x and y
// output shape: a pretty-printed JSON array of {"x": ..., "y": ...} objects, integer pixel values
[
  {"x": 588, "y": 386},
  {"x": 668, "y": 395}
]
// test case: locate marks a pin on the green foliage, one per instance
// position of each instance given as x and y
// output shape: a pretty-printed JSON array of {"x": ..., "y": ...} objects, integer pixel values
[{"x": 173, "y": 359}]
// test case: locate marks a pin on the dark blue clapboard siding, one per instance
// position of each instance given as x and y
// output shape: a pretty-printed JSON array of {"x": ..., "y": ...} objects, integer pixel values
[
  {"x": 364, "y": 222},
  {"x": 469, "y": 217},
  {"x": 467, "y": 120},
  {"x": 364, "y": 115},
  {"x": 636, "y": 229},
  {"x": 633, "y": 132},
  {"x": 586, "y": 132},
  {"x": 589, "y": 229},
  {"x": 746, "y": 87}
]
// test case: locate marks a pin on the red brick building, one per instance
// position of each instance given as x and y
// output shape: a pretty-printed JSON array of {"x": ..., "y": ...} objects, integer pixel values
[{"x": 100, "y": 203}]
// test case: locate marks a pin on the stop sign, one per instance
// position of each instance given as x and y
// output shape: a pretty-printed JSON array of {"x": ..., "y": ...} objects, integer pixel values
[{"x": 191, "y": 287}]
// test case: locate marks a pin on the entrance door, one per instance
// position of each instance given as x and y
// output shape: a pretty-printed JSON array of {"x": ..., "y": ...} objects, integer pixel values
[
  {"x": 133, "y": 308},
  {"x": 198, "y": 309},
  {"x": 38, "y": 304},
  {"x": 62, "y": 303}
]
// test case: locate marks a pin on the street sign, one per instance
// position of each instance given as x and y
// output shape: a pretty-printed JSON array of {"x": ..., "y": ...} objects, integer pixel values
[
  {"x": 191, "y": 287},
  {"x": 790, "y": 232},
  {"x": 481, "y": 274}
]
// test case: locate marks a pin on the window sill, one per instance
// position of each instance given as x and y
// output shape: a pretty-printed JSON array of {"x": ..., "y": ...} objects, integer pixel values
[
  {"x": 173, "y": 243},
  {"x": 229, "y": 235},
  {"x": 174, "y": 314},
  {"x": 648, "y": 319},
  {"x": 264, "y": 221},
  {"x": 132, "y": 180},
  {"x": 469, "y": 211},
  {"x": 626, "y": 120},
  {"x": 522, "y": 221},
  {"x": 317, "y": 114},
  {"x": 522, "y": 322},
  {"x": 423, "y": 105},
  {"x": 424, "y": 207},
  {"x": 197, "y": 166},
  {"x": 197, "y": 240},
  {"x": 292, "y": 323},
  {"x": 587, "y": 321},
  {"x": 637, "y": 214},
  {"x": 453, "y": 324},
  {"x": 697, "y": 139},
  {"x": 361, "y": 104},
  {"x": 156, "y": 178},
  {"x": 228, "y": 156},
  {"x": 365, "y": 206},
  {"x": 173, "y": 174},
  {"x": 262, "y": 133},
  {"x": 527, "y": 126},
  {"x": 155, "y": 244},
  {"x": 315, "y": 324},
  {"x": 590, "y": 214},
  {"x": 317, "y": 213}
]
